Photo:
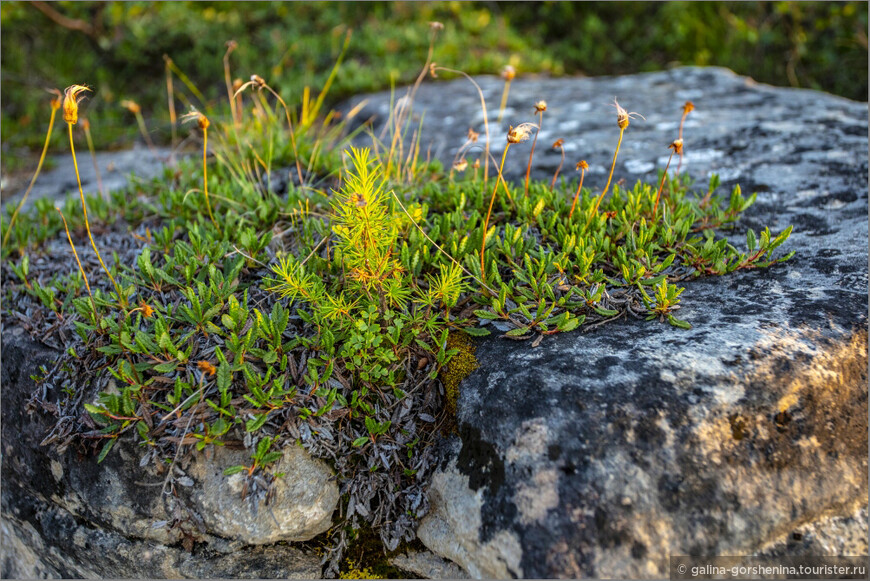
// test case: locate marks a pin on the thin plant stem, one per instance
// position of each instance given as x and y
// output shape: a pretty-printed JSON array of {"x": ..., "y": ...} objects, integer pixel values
[
  {"x": 121, "y": 298},
  {"x": 229, "y": 82},
  {"x": 609, "y": 177},
  {"x": 532, "y": 152},
  {"x": 558, "y": 169},
  {"x": 485, "y": 118},
  {"x": 662, "y": 185},
  {"x": 170, "y": 96},
  {"x": 577, "y": 194},
  {"x": 35, "y": 175},
  {"x": 399, "y": 121},
  {"x": 144, "y": 130},
  {"x": 504, "y": 98},
  {"x": 292, "y": 134},
  {"x": 205, "y": 176},
  {"x": 498, "y": 180},
  {"x": 76, "y": 254}
]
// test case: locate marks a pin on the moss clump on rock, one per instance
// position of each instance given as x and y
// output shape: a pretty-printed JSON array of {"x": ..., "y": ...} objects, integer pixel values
[{"x": 458, "y": 368}]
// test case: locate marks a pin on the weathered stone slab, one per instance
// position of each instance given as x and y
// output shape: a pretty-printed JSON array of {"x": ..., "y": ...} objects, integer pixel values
[
  {"x": 600, "y": 454},
  {"x": 115, "y": 170}
]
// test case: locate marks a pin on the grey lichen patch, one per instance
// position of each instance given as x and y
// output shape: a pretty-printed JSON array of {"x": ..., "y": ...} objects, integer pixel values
[
  {"x": 538, "y": 494},
  {"x": 451, "y": 530}
]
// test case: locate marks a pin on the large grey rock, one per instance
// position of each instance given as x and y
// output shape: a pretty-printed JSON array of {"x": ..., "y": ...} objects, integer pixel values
[
  {"x": 600, "y": 454},
  {"x": 116, "y": 167},
  {"x": 63, "y": 515}
]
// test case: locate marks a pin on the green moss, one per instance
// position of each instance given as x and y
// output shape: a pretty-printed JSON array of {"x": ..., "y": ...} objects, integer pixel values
[{"x": 458, "y": 368}]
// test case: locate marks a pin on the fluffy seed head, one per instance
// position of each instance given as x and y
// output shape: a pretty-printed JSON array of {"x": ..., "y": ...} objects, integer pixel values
[
  {"x": 623, "y": 117},
  {"x": 71, "y": 100},
  {"x": 198, "y": 117},
  {"x": 131, "y": 106},
  {"x": 435, "y": 26},
  {"x": 540, "y": 106},
  {"x": 677, "y": 146},
  {"x": 582, "y": 165},
  {"x": 460, "y": 165},
  {"x": 57, "y": 100},
  {"x": 508, "y": 73},
  {"x": 520, "y": 133},
  {"x": 258, "y": 81}
]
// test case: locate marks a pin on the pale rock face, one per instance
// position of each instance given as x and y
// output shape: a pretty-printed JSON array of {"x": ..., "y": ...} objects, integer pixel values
[
  {"x": 599, "y": 454},
  {"x": 301, "y": 506}
]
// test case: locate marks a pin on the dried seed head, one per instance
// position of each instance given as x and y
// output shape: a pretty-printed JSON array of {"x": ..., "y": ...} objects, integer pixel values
[
  {"x": 540, "y": 106},
  {"x": 476, "y": 164},
  {"x": 508, "y": 73},
  {"x": 58, "y": 99},
  {"x": 460, "y": 165},
  {"x": 558, "y": 144},
  {"x": 688, "y": 107},
  {"x": 86, "y": 125},
  {"x": 520, "y": 133},
  {"x": 473, "y": 135},
  {"x": 147, "y": 311},
  {"x": 131, "y": 106},
  {"x": 71, "y": 102},
  {"x": 435, "y": 26},
  {"x": 623, "y": 117},
  {"x": 198, "y": 117},
  {"x": 677, "y": 146},
  {"x": 237, "y": 84},
  {"x": 582, "y": 165},
  {"x": 231, "y": 46},
  {"x": 432, "y": 73},
  {"x": 206, "y": 367},
  {"x": 258, "y": 81}
]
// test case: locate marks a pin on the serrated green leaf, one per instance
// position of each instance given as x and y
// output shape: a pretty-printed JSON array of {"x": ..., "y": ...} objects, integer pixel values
[
  {"x": 678, "y": 322},
  {"x": 107, "y": 447},
  {"x": 476, "y": 331},
  {"x": 518, "y": 332},
  {"x": 486, "y": 314}
]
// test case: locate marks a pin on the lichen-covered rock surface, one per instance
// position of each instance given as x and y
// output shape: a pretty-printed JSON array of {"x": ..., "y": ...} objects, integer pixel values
[
  {"x": 599, "y": 454},
  {"x": 595, "y": 454},
  {"x": 116, "y": 167}
]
